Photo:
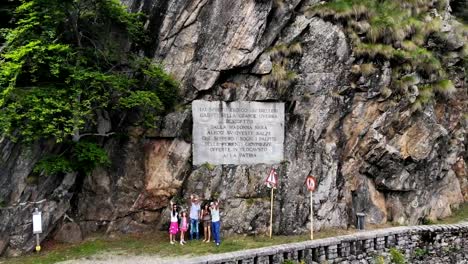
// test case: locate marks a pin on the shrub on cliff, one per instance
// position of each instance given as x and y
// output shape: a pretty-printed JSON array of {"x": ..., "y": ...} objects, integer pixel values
[
  {"x": 68, "y": 71},
  {"x": 410, "y": 35}
]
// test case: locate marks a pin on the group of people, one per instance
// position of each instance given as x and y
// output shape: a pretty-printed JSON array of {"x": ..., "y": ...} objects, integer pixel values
[{"x": 209, "y": 215}]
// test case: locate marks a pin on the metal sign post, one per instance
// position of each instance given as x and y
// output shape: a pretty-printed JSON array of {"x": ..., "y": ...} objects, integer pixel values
[
  {"x": 271, "y": 213},
  {"x": 311, "y": 216},
  {"x": 37, "y": 227},
  {"x": 271, "y": 182},
  {"x": 311, "y": 183}
]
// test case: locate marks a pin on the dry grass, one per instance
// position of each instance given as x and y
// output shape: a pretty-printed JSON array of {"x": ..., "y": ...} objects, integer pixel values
[
  {"x": 396, "y": 31},
  {"x": 280, "y": 77}
]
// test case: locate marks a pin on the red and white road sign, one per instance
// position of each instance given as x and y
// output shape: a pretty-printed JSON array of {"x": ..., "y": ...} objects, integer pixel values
[
  {"x": 272, "y": 179},
  {"x": 311, "y": 183}
]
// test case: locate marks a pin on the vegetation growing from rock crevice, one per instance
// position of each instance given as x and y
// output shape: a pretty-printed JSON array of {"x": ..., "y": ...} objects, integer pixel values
[
  {"x": 397, "y": 257},
  {"x": 281, "y": 76},
  {"x": 67, "y": 71},
  {"x": 408, "y": 34}
]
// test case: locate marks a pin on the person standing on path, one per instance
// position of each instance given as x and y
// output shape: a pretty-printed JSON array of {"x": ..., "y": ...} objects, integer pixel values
[
  {"x": 215, "y": 222},
  {"x": 194, "y": 216},
  {"x": 174, "y": 227},
  {"x": 206, "y": 218},
  {"x": 183, "y": 226}
]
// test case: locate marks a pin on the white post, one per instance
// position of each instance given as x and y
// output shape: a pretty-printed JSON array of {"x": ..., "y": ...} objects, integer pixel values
[
  {"x": 311, "y": 216},
  {"x": 37, "y": 227},
  {"x": 271, "y": 213},
  {"x": 38, "y": 245}
]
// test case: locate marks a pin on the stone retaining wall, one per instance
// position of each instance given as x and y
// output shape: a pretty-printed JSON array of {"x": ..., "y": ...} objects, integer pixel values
[{"x": 362, "y": 247}]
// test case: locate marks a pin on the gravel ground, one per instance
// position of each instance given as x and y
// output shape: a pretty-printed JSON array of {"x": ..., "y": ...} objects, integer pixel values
[{"x": 123, "y": 259}]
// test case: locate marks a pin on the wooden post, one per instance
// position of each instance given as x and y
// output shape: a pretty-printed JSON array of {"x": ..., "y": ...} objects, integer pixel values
[
  {"x": 271, "y": 213},
  {"x": 311, "y": 216}
]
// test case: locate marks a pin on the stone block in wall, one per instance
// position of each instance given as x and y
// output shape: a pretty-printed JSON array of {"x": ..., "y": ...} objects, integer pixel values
[
  {"x": 401, "y": 240},
  {"x": 343, "y": 249},
  {"x": 248, "y": 261},
  {"x": 415, "y": 237},
  {"x": 368, "y": 245},
  {"x": 293, "y": 255},
  {"x": 263, "y": 260},
  {"x": 290, "y": 255},
  {"x": 278, "y": 258},
  {"x": 332, "y": 252},
  {"x": 337, "y": 260},
  {"x": 379, "y": 243},
  {"x": 308, "y": 255},
  {"x": 321, "y": 254},
  {"x": 352, "y": 247}
]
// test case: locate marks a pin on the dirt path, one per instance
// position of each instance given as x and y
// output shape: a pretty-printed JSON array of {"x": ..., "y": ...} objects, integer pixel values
[{"x": 110, "y": 258}]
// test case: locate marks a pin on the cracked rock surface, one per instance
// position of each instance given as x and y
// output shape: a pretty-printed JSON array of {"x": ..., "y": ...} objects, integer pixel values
[{"x": 369, "y": 154}]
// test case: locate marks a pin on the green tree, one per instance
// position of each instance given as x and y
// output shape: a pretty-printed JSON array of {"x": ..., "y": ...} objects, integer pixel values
[
  {"x": 69, "y": 65},
  {"x": 460, "y": 9}
]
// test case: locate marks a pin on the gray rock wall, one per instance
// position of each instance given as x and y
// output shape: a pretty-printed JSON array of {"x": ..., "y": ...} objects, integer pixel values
[{"x": 369, "y": 153}]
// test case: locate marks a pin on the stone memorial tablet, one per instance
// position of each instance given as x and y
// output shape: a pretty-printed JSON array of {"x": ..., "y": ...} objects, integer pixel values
[{"x": 239, "y": 132}]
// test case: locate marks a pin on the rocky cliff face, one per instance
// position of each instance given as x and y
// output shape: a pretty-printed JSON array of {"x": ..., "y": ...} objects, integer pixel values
[{"x": 370, "y": 153}]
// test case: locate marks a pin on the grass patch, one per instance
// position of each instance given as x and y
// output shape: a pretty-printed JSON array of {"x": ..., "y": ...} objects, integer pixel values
[
  {"x": 398, "y": 32},
  {"x": 155, "y": 244},
  {"x": 280, "y": 76},
  {"x": 458, "y": 215},
  {"x": 397, "y": 257}
]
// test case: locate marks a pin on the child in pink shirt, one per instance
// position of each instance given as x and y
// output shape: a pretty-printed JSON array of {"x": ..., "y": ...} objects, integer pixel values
[{"x": 183, "y": 226}]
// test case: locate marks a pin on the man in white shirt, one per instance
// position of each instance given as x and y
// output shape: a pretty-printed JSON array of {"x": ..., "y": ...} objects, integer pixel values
[
  {"x": 215, "y": 222},
  {"x": 194, "y": 216}
]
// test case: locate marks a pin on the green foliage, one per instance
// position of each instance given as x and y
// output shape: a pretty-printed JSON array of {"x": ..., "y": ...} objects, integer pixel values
[
  {"x": 250, "y": 202},
  {"x": 208, "y": 166},
  {"x": 427, "y": 221},
  {"x": 397, "y": 257},
  {"x": 460, "y": 9},
  {"x": 214, "y": 196},
  {"x": 53, "y": 164},
  {"x": 179, "y": 200},
  {"x": 32, "y": 179},
  {"x": 379, "y": 259},
  {"x": 397, "y": 32},
  {"x": 419, "y": 252},
  {"x": 280, "y": 76},
  {"x": 65, "y": 60},
  {"x": 88, "y": 155},
  {"x": 445, "y": 87},
  {"x": 2, "y": 203},
  {"x": 80, "y": 156}
]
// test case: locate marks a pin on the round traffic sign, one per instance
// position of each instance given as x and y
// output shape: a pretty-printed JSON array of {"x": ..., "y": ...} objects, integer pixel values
[{"x": 311, "y": 183}]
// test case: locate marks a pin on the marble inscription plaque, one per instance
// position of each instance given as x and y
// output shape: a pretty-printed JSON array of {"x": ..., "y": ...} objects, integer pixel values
[{"x": 239, "y": 132}]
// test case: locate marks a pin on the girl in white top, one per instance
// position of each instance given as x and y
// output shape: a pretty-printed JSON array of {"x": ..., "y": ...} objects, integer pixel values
[
  {"x": 174, "y": 227},
  {"x": 215, "y": 222}
]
